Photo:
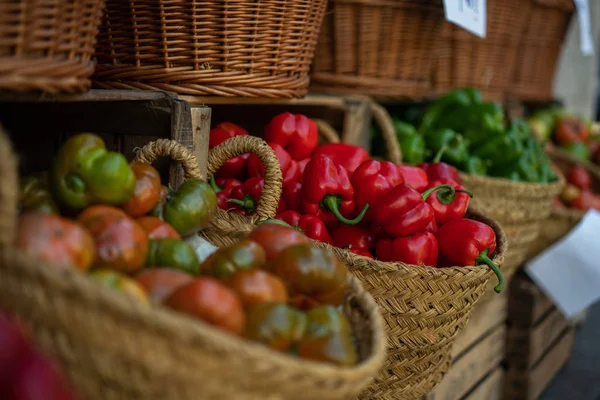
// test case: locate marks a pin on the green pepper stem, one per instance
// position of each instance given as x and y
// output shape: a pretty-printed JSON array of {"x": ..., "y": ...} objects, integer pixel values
[
  {"x": 447, "y": 196},
  {"x": 274, "y": 221},
  {"x": 483, "y": 258},
  {"x": 214, "y": 185},
  {"x": 448, "y": 189},
  {"x": 247, "y": 203},
  {"x": 439, "y": 154},
  {"x": 332, "y": 203}
]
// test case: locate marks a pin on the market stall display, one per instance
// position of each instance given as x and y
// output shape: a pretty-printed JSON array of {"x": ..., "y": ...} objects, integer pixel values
[
  {"x": 209, "y": 49},
  {"x": 330, "y": 208},
  {"x": 48, "y": 46},
  {"x": 63, "y": 274}
]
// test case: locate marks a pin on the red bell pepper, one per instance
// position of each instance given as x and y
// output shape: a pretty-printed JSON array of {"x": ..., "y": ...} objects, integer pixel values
[
  {"x": 248, "y": 195},
  {"x": 296, "y": 133},
  {"x": 371, "y": 180},
  {"x": 223, "y": 188},
  {"x": 302, "y": 165},
  {"x": 328, "y": 193},
  {"x": 432, "y": 227},
  {"x": 447, "y": 205},
  {"x": 403, "y": 211},
  {"x": 440, "y": 170},
  {"x": 418, "y": 249},
  {"x": 291, "y": 194},
  {"x": 415, "y": 177},
  {"x": 290, "y": 170},
  {"x": 353, "y": 237},
  {"x": 361, "y": 252},
  {"x": 346, "y": 155},
  {"x": 310, "y": 225},
  {"x": 236, "y": 166},
  {"x": 465, "y": 242}
]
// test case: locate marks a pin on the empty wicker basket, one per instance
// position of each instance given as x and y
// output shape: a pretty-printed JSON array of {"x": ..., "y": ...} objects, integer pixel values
[
  {"x": 214, "y": 48},
  {"x": 48, "y": 45}
]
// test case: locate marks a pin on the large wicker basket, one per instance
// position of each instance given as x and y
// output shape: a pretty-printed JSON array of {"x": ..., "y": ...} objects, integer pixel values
[
  {"x": 562, "y": 219},
  {"x": 382, "y": 48},
  {"x": 423, "y": 308},
  {"x": 214, "y": 48},
  {"x": 465, "y": 60},
  {"x": 113, "y": 347},
  {"x": 540, "y": 48},
  {"x": 48, "y": 45}
]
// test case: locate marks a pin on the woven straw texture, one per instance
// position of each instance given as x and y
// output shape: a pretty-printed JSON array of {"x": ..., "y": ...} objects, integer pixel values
[
  {"x": 113, "y": 347},
  {"x": 519, "y": 207},
  {"x": 381, "y": 48},
  {"x": 466, "y": 60},
  {"x": 540, "y": 49},
  {"x": 562, "y": 219},
  {"x": 423, "y": 308},
  {"x": 48, "y": 45},
  {"x": 221, "y": 48}
]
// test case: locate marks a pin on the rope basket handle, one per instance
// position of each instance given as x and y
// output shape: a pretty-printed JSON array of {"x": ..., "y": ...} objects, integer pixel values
[
  {"x": 327, "y": 131},
  {"x": 238, "y": 145},
  {"x": 384, "y": 120},
  {"x": 9, "y": 191},
  {"x": 172, "y": 149}
]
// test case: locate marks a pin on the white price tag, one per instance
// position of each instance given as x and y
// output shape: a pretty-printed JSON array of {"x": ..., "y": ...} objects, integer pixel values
[
  {"x": 585, "y": 27},
  {"x": 468, "y": 14},
  {"x": 569, "y": 271}
]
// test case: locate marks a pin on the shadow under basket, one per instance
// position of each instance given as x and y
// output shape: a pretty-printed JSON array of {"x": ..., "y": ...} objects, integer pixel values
[{"x": 212, "y": 48}]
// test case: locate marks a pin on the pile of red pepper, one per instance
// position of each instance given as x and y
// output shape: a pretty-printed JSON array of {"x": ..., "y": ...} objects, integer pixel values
[{"x": 336, "y": 194}]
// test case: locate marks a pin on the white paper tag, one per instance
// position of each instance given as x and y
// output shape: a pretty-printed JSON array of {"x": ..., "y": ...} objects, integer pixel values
[
  {"x": 569, "y": 271},
  {"x": 468, "y": 14},
  {"x": 585, "y": 27}
]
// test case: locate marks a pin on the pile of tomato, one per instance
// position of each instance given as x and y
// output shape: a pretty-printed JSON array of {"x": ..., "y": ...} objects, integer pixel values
[
  {"x": 114, "y": 221},
  {"x": 578, "y": 193}
]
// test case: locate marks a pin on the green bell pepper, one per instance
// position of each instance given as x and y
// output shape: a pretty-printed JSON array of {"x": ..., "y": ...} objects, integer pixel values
[
  {"x": 403, "y": 129},
  {"x": 475, "y": 165},
  {"x": 456, "y": 149},
  {"x": 84, "y": 172},
  {"x": 413, "y": 148},
  {"x": 479, "y": 122},
  {"x": 441, "y": 108},
  {"x": 578, "y": 150},
  {"x": 502, "y": 149}
]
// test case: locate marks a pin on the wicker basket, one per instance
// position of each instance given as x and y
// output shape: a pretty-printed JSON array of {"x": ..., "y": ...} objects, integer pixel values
[
  {"x": 465, "y": 60},
  {"x": 423, "y": 308},
  {"x": 562, "y": 219},
  {"x": 113, "y": 347},
  {"x": 540, "y": 49},
  {"x": 382, "y": 48},
  {"x": 48, "y": 45},
  {"x": 215, "y": 48}
]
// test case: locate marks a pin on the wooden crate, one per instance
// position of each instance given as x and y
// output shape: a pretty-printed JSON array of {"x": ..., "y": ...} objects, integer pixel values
[
  {"x": 350, "y": 116},
  {"x": 539, "y": 341},
  {"x": 477, "y": 353},
  {"x": 125, "y": 119}
]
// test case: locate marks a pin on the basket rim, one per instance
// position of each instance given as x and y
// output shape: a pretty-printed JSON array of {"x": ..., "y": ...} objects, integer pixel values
[{"x": 162, "y": 320}]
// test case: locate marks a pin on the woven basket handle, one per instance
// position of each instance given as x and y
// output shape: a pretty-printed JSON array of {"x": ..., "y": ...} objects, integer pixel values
[
  {"x": 327, "y": 131},
  {"x": 383, "y": 119},
  {"x": 9, "y": 191},
  {"x": 172, "y": 149},
  {"x": 238, "y": 145}
]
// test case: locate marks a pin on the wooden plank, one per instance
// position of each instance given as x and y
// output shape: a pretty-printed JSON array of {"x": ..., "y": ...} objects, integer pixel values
[
  {"x": 469, "y": 369},
  {"x": 312, "y": 99},
  {"x": 529, "y": 384},
  {"x": 490, "y": 388},
  {"x": 90, "y": 96},
  {"x": 485, "y": 318},
  {"x": 357, "y": 123},
  {"x": 527, "y": 304},
  {"x": 525, "y": 346},
  {"x": 182, "y": 132},
  {"x": 201, "y": 135}
]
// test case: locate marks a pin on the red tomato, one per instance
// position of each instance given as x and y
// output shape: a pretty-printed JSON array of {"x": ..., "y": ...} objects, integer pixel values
[
  {"x": 157, "y": 229},
  {"x": 570, "y": 129},
  {"x": 208, "y": 299},
  {"x": 147, "y": 190},
  {"x": 120, "y": 282},
  {"x": 56, "y": 240},
  {"x": 580, "y": 177},
  {"x": 121, "y": 244},
  {"x": 160, "y": 283},
  {"x": 585, "y": 201},
  {"x": 257, "y": 286},
  {"x": 274, "y": 238}
]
